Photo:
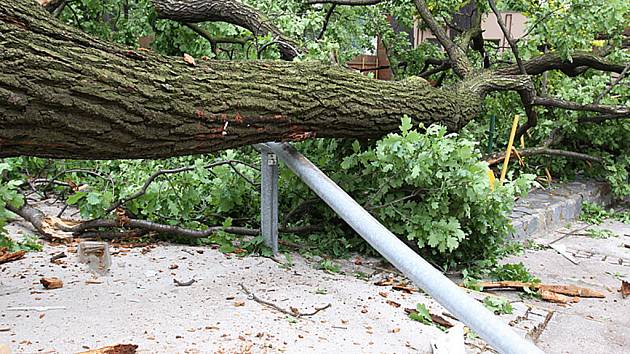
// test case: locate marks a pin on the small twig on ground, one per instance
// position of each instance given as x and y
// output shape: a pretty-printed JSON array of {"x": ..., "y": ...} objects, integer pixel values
[
  {"x": 185, "y": 283},
  {"x": 58, "y": 256},
  {"x": 570, "y": 233},
  {"x": 294, "y": 312},
  {"x": 535, "y": 333}
]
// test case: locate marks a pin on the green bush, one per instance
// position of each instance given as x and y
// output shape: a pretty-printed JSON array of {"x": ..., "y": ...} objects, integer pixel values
[
  {"x": 8, "y": 195},
  {"x": 431, "y": 188}
]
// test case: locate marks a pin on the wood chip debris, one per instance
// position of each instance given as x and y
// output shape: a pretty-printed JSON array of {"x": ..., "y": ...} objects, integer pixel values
[
  {"x": 6, "y": 256},
  {"x": 400, "y": 286},
  {"x": 554, "y": 293},
  {"x": 385, "y": 282},
  {"x": 392, "y": 303},
  {"x": 114, "y": 349},
  {"x": 184, "y": 283},
  {"x": 51, "y": 283},
  {"x": 189, "y": 60},
  {"x": 58, "y": 256},
  {"x": 625, "y": 288},
  {"x": 437, "y": 319},
  {"x": 405, "y": 288}
]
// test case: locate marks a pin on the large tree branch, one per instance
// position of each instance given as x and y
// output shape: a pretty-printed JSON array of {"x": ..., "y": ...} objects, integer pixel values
[
  {"x": 344, "y": 2},
  {"x": 526, "y": 95},
  {"x": 508, "y": 37},
  {"x": 603, "y": 118},
  {"x": 559, "y": 103},
  {"x": 542, "y": 150},
  {"x": 329, "y": 13},
  {"x": 51, "y": 228},
  {"x": 580, "y": 62},
  {"x": 64, "y": 94},
  {"x": 229, "y": 11},
  {"x": 554, "y": 138},
  {"x": 473, "y": 36},
  {"x": 459, "y": 61},
  {"x": 214, "y": 40}
]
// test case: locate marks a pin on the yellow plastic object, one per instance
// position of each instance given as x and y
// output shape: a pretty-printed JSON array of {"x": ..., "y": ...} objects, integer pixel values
[
  {"x": 508, "y": 151},
  {"x": 491, "y": 179}
]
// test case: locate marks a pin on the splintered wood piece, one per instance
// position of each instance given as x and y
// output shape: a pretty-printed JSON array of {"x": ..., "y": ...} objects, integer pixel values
[
  {"x": 51, "y": 283},
  {"x": 114, "y": 349},
  {"x": 550, "y": 296},
  {"x": 440, "y": 320},
  {"x": 384, "y": 282},
  {"x": 6, "y": 256},
  {"x": 505, "y": 284},
  {"x": 571, "y": 290},
  {"x": 405, "y": 288}
]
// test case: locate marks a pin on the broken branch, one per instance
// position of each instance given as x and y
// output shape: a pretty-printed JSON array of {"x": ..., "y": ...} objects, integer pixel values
[{"x": 294, "y": 312}]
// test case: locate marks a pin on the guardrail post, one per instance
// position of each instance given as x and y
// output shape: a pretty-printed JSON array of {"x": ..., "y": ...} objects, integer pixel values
[{"x": 269, "y": 197}]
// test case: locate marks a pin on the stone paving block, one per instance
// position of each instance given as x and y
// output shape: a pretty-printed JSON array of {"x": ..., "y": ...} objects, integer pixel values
[{"x": 546, "y": 209}]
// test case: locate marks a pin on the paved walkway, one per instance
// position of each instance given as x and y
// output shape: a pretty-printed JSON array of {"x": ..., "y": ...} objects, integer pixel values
[
  {"x": 591, "y": 325},
  {"x": 138, "y": 302}
]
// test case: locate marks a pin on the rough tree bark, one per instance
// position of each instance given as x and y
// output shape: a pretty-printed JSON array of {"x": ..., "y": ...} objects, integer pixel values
[
  {"x": 64, "y": 94},
  {"x": 228, "y": 11}
]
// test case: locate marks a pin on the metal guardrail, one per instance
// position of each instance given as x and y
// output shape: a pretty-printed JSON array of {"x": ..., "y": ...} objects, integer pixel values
[{"x": 468, "y": 310}]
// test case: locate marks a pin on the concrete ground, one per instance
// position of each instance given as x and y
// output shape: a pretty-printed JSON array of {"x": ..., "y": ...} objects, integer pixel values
[
  {"x": 138, "y": 302},
  {"x": 591, "y": 325}
]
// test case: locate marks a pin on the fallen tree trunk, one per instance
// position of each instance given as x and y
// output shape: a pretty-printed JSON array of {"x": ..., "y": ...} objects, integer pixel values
[{"x": 64, "y": 94}]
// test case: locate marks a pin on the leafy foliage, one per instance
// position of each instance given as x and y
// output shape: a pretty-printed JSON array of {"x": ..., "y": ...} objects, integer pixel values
[
  {"x": 498, "y": 305},
  {"x": 9, "y": 194},
  {"x": 600, "y": 233},
  {"x": 503, "y": 272},
  {"x": 595, "y": 214},
  {"x": 29, "y": 243},
  {"x": 329, "y": 266},
  {"x": 513, "y": 272},
  {"x": 428, "y": 187},
  {"x": 432, "y": 189},
  {"x": 421, "y": 314}
]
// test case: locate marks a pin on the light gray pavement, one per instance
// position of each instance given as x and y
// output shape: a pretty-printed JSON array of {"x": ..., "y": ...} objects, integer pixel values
[
  {"x": 137, "y": 302},
  {"x": 591, "y": 325}
]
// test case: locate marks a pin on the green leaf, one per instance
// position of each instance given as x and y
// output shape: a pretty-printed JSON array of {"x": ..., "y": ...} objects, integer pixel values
[
  {"x": 422, "y": 314},
  {"x": 405, "y": 125},
  {"x": 75, "y": 198}
]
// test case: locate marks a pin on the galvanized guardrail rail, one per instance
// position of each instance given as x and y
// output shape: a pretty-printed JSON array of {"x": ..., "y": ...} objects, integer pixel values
[{"x": 468, "y": 310}]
